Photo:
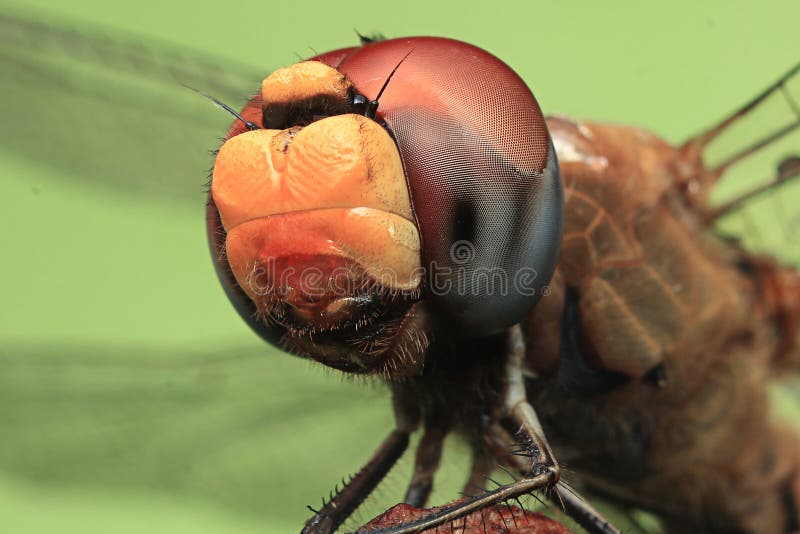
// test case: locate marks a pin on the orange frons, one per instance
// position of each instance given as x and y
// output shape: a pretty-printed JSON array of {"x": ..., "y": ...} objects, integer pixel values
[
  {"x": 307, "y": 79},
  {"x": 342, "y": 161},
  {"x": 333, "y": 188}
]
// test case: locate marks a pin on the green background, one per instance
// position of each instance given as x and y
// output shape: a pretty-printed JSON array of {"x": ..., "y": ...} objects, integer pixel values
[{"x": 132, "y": 398}]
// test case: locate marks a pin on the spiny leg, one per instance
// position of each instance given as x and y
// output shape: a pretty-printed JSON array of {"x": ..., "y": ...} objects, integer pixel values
[
  {"x": 563, "y": 496},
  {"x": 522, "y": 413},
  {"x": 700, "y": 181},
  {"x": 453, "y": 512},
  {"x": 788, "y": 169},
  {"x": 696, "y": 145},
  {"x": 541, "y": 474},
  {"x": 546, "y": 478},
  {"x": 347, "y": 499},
  {"x": 581, "y": 511},
  {"x": 334, "y": 512},
  {"x": 541, "y": 456}
]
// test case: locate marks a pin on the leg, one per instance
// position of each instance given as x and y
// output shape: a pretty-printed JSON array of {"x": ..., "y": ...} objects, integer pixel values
[
  {"x": 429, "y": 452},
  {"x": 541, "y": 472},
  {"x": 453, "y": 512},
  {"x": 581, "y": 511},
  {"x": 700, "y": 182},
  {"x": 522, "y": 413},
  {"x": 542, "y": 458},
  {"x": 338, "y": 509},
  {"x": 482, "y": 465},
  {"x": 564, "y": 496},
  {"x": 696, "y": 145}
]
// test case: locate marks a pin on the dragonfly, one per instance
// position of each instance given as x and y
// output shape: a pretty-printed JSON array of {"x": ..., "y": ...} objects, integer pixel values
[{"x": 170, "y": 184}]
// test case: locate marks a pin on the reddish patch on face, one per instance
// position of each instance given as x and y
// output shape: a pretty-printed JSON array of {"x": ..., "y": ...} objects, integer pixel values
[{"x": 318, "y": 290}]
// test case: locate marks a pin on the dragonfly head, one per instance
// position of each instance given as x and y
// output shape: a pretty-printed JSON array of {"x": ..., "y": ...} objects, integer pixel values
[
  {"x": 319, "y": 231},
  {"x": 384, "y": 197}
]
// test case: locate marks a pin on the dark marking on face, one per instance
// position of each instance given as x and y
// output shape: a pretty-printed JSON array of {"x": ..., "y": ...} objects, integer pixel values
[{"x": 282, "y": 115}]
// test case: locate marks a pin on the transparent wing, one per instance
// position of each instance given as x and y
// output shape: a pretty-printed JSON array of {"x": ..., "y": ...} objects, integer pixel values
[
  {"x": 110, "y": 109},
  {"x": 236, "y": 426},
  {"x": 227, "y": 429},
  {"x": 109, "y": 419}
]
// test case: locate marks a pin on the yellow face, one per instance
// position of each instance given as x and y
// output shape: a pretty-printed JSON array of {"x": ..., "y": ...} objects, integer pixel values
[{"x": 317, "y": 216}]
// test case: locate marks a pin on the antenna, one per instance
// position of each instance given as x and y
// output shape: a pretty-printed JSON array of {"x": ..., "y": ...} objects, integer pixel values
[
  {"x": 249, "y": 124},
  {"x": 372, "y": 107}
]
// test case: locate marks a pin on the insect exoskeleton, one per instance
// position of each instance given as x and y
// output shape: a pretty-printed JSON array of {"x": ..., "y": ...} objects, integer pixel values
[
  {"x": 319, "y": 230},
  {"x": 381, "y": 194}
]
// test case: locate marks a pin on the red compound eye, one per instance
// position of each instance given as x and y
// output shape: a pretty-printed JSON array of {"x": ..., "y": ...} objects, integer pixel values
[
  {"x": 480, "y": 184},
  {"x": 481, "y": 170}
]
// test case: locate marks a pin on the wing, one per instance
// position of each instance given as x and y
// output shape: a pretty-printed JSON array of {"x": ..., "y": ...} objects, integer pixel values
[
  {"x": 102, "y": 433},
  {"x": 194, "y": 425},
  {"x": 107, "y": 111},
  {"x": 111, "y": 111}
]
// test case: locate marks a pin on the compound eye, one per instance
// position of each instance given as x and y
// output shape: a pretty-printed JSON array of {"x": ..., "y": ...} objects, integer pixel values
[{"x": 482, "y": 175}]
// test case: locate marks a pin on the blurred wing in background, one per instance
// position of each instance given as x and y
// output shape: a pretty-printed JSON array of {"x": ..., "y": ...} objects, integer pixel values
[
  {"x": 201, "y": 425},
  {"x": 109, "y": 112},
  {"x": 216, "y": 424}
]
